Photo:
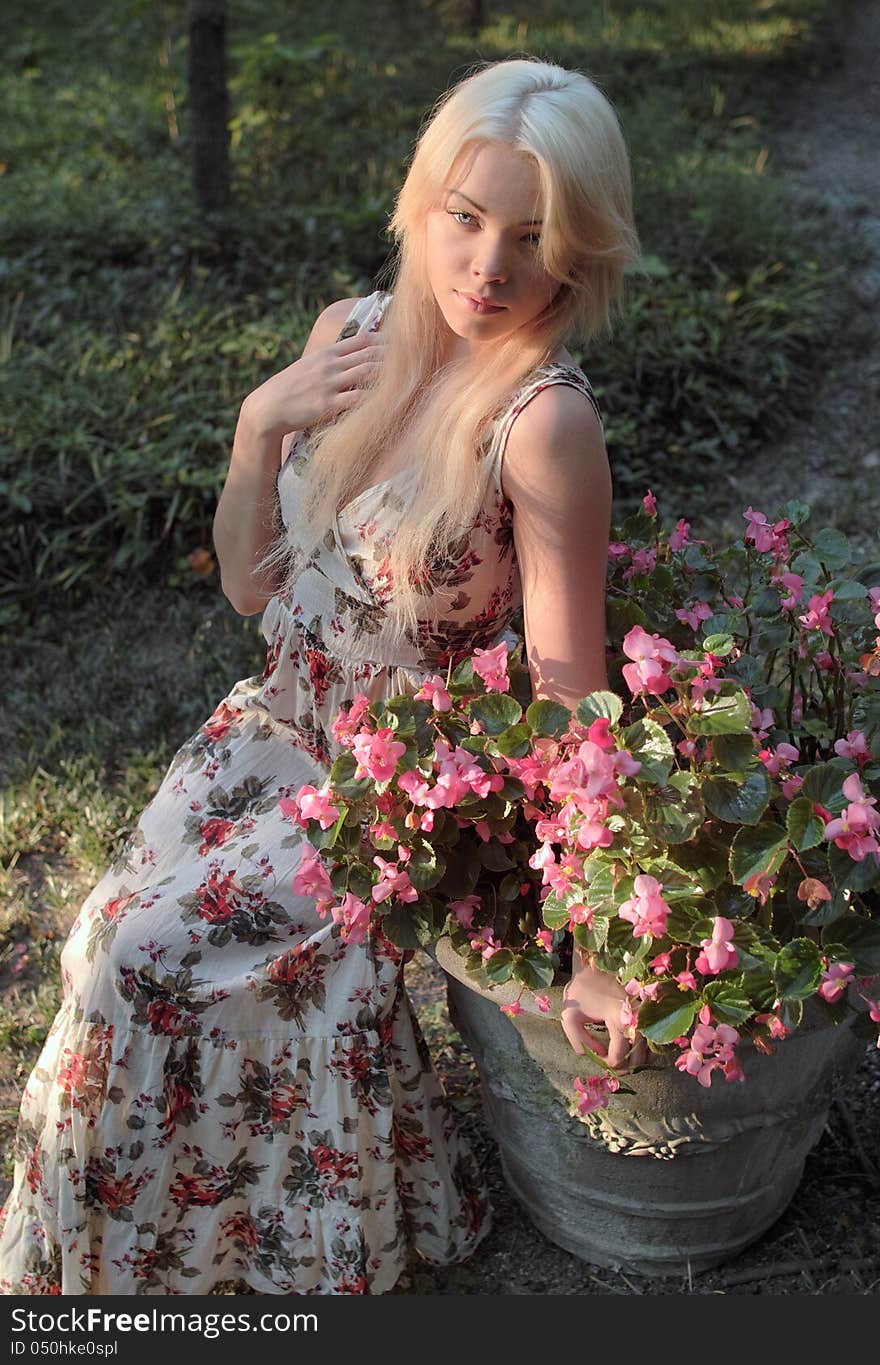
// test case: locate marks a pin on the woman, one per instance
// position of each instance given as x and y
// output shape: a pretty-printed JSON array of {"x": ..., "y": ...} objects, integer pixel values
[{"x": 234, "y": 1087}]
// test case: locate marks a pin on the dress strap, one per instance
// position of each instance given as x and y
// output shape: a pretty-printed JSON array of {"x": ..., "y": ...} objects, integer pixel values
[
  {"x": 366, "y": 314},
  {"x": 554, "y": 372}
]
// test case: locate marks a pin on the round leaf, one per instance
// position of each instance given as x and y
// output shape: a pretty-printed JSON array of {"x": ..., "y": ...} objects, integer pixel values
[
  {"x": 495, "y": 712},
  {"x": 598, "y": 705},
  {"x": 548, "y": 717}
]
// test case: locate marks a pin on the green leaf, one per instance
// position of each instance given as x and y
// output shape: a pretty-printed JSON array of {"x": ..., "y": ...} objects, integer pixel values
[
  {"x": 826, "y": 912},
  {"x": 720, "y": 643},
  {"x": 534, "y": 968},
  {"x": 824, "y": 784},
  {"x": 649, "y": 743},
  {"x": 832, "y": 548},
  {"x": 734, "y": 752},
  {"x": 548, "y": 717},
  {"x": 515, "y": 741},
  {"x": 728, "y": 712},
  {"x": 702, "y": 860},
  {"x": 805, "y": 829},
  {"x": 463, "y": 869},
  {"x": 463, "y": 676},
  {"x": 495, "y": 856},
  {"x": 426, "y": 868},
  {"x": 856, "y": 876},
  {"x": 738, "y": 803},
  {"x": 495, "y": 712},
  {"x": 728, "y": 1002},
  {"x": 760, "y": 987},
  {"x": 664, "y": 1020},
  {"x": 674, "y": 815},
  {"x": 757, "y": 849},
  {"x": 499, "y": 967},
  {"x": 411, "y": 926},
  {"x": 798, "y": 969},
  {"x": 860, "y": 937},
  {"x": 554, "y": 912},
  {"x": 342, "y": 778},
  {"x": 598, "y": 705}
]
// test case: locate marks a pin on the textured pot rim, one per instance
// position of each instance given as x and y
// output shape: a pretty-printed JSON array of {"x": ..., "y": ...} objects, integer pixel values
[{"x": 451, "y": 962}]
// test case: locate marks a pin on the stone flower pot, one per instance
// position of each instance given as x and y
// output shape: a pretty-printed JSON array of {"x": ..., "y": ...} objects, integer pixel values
[{"x": 716, "y": 1166}]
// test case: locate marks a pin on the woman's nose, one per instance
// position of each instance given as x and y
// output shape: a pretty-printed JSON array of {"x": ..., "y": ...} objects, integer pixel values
[{"x": 491, "y": 262}]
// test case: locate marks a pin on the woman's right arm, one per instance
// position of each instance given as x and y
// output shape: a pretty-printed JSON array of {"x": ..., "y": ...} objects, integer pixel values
[{"x": 324, "y": 381}]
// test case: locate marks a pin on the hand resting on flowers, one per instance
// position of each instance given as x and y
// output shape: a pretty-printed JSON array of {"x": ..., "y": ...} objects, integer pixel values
[{"x": 593, "y": 996}]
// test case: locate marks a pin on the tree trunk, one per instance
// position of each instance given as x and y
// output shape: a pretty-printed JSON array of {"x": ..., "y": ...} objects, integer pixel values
[
  {"x": 474, "y": 15},
  {"x": 208, "y": 103}
]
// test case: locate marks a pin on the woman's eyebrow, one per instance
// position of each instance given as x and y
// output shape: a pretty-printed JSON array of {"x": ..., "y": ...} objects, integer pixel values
[{"x": 527, "y": 222}]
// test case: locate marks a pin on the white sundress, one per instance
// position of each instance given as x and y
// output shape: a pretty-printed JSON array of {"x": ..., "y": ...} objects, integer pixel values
[{"x": 230, "y": 1090}]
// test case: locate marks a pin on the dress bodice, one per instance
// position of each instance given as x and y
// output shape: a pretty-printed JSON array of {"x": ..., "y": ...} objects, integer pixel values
[{"x": 330, "y": 632}]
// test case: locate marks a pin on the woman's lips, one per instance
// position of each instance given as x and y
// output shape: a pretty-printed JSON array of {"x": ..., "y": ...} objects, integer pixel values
[{"x": 477, "y": 305}]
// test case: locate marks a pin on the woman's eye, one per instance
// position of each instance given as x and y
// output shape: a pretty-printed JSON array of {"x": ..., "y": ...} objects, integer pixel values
[{"x": 532, "y": 238}]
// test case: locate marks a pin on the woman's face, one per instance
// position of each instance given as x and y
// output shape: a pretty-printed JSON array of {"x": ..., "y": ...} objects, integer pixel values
[{"x": 482, "y": 241}]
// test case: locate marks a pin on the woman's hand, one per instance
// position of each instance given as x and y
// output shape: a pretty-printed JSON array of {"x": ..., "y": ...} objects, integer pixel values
[
  {"x": 596, "y": 997},
  {"x": 326, "y": 380}
]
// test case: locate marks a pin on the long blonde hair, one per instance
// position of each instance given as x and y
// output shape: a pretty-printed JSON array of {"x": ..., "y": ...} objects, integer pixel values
[{"x": 445, "y": 409}]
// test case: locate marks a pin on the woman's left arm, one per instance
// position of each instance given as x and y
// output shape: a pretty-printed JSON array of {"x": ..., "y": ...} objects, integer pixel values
[{"x": 556, "y": 475}]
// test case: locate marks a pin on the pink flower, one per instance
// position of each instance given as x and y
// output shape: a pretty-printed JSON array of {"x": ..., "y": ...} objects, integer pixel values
[
  {"x": 464, "y": 910},
  {"x": 709, "y": 1049},
  {"x": 791, "y": 786},
  {"x": 646, "y": 910},
  {"x": 544, "y": 939},
  {"x": 649, "y": 502},
  {"x": 311, "y": 804},
  {"x": 816, "y": 616},
  {"x": 652, "y": 656},
  {"x": 346, "y": 724},
  {"x": 785, "y": 754},
  {"x": 680, "y": 536},
  {"x": 813, "y": 892},
  {"x": 660, "y": 963},
  {"x": 835, "y": 981},
  {"x": 485, "y": 943},
  {"x": 377, "y": 754},
  {"x": 353, "y": 915},
  {"x": 580, "y": 914},
  {"x": 543, "y": 1003},
  {"x": 718, "y": 953},
  {"x": 616, "y": 549},
  {"x": 311, "y": 877},
  {"x": 700, "y": 611},
  {"x": 643, "y": 561},
  {"x": 594, "y": 1092},
  {"x": 434, "y": 691},
  {"x": 686, "y": 980},
  {"x": 766, "y": 538},
  {"x": 491, "y": 666},
  {"x": 393, "y": 881},
  {"x": 794, "y": 583},
  {"x": 854, "y": 747},
  {"x": 856, "y": 829},
  {"x": 513, "y": 1009},
  {"x": 874, "y": 599}
]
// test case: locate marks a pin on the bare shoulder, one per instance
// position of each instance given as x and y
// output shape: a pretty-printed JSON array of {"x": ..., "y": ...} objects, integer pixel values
[
  {"x": 554, "y": 446},
  {"x": 330, "y": 322}
]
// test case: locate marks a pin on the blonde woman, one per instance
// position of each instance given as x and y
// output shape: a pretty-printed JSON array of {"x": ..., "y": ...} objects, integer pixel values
[{"x": 234, "y": 1089}]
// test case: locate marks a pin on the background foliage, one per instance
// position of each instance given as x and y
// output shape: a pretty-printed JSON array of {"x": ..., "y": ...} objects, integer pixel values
[{"x": 130, "y": 332}]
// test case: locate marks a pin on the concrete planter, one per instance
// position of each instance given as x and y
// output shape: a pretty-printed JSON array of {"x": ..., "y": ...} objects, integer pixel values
[{"x": 718, "y": 1165}]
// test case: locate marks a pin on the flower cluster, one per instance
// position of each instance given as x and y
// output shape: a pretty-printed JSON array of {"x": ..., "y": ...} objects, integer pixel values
[{"x": 708, "y": 830}]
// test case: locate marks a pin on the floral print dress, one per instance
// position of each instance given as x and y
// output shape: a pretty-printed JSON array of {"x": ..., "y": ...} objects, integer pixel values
[{"x": 230, "y": 1090}]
